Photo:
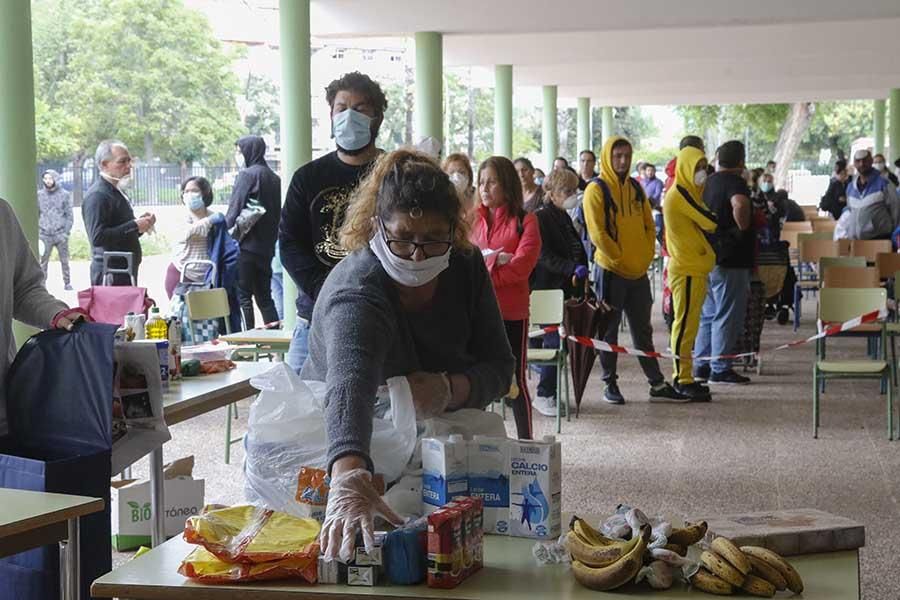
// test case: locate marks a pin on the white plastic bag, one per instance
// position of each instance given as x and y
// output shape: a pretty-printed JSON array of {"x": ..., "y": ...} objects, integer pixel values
[{"x": 286, "y": 431}]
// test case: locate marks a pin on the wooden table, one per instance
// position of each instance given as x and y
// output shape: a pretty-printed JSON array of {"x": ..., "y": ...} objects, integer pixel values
[
  {"x": 264, "y": 341},
  {"x": 186, "y": 399},
  {"x": 510, "y": 573},
  {"x": 33, "y": 519}
]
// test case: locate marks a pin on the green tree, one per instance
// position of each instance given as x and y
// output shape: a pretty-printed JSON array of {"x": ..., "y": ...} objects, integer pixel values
[
  {"x": 527, "y": 123},
  {"x": 834, "y": 126},
  {"x": 262, "y": 104},
  {"x": 628, "y": 121}
]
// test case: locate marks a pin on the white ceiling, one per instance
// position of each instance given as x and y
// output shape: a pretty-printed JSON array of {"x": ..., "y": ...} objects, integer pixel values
[{"x": 654, "y": 51}]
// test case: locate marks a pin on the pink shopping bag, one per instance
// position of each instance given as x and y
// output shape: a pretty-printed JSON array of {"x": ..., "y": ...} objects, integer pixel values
[{"x": 110, "y": 304}]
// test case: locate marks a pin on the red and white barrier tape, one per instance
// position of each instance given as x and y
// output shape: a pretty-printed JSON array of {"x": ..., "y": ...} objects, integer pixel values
[{"x": 602, "y": 346}]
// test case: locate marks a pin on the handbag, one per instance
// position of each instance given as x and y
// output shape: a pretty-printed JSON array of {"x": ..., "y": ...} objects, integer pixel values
[{"x": 110, "y": 304}]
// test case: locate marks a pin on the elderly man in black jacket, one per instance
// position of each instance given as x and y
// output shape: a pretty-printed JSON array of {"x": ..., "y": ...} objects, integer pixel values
[
  {"x": 108, "y": 218},
  {"x": 256, "y": 186}
]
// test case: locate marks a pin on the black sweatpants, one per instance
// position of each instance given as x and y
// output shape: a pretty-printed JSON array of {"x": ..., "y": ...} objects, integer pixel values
[
  {"x": 517, "y": 333},
  {"x": 255, "y": 280}
]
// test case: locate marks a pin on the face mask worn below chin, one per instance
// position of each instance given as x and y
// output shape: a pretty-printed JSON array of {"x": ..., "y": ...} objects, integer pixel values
[
  {"x": 193, "y": 200},
  {"x": 411, "y": 273},
  {"x": 351, "y": 129}
]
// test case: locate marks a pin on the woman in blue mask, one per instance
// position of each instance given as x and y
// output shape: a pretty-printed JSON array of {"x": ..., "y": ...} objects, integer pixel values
[
  {"x": 191, "y": 242},
  {"x": 413, "y": 298}
]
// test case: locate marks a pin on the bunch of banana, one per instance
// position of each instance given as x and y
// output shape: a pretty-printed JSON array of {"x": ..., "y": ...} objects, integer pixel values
[
  {"x": 755, "y": 570},
  {"x": 615, "y": 574},
  {"x": 790, "y": 578},
  {"x": 593, "y": 549}
]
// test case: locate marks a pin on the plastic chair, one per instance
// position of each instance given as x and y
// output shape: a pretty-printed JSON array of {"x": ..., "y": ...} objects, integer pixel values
[
  {"x": 128, "y": 269},
  {"x": 870, "y": 248},
  {"x": 811, "y": 252},
  {"x": 546, "y": 308},
  {"x": 213, "y": 304},
  {"x": 887, "y": 263},
  {"x": 838, "y": 305}
]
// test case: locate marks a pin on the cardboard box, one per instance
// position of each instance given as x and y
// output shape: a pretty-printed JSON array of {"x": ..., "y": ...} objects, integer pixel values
[{"x": 131, "y": 513}]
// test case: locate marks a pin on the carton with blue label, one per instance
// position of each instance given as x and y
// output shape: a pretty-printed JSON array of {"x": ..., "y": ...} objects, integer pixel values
[
  {"x": 444, "y": 471},
  {"x": 489, "y": 480},
  {"x": 535, "y": 488}
]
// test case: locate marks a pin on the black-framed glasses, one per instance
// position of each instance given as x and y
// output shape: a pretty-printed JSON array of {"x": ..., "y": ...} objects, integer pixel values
[{"x": 407, "y": 248}]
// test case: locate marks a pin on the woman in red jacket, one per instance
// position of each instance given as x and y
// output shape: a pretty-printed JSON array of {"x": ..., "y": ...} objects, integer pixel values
[{"x": 511, "y": 240}]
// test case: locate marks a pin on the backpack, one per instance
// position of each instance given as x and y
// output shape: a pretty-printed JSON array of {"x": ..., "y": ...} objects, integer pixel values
[{"x": 609, "y": 207}]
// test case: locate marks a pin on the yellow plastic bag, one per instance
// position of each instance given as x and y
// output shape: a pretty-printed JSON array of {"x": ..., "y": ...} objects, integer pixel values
[
  {"x": 202, "y": 565},
  {"x": 250, "y": 535}
]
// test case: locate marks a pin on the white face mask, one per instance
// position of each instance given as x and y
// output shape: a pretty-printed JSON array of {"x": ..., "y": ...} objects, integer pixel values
[
  {"x": 572, "y": 201},
  {"x": 700, "y": 178},
  {"x": 879, "y": 166},
  {"x": 460, "y": 181},
  {"x": 240, "y": 160},
  {"x": 411, "y": 273},
  {"x": 122, "y": 183},
  {"x": 193, "y": 201}
]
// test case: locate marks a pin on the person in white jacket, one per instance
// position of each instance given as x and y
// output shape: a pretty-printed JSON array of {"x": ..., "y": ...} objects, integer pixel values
[{"x": 23, "y": 296}]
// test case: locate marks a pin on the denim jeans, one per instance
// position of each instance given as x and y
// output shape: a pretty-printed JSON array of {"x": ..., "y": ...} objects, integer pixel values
[
  {"x": 278, "y": 293},
  {"x": 723, "y": 315},
  {"x": 299, "y": 350},
  {"x": 547, "y": 385}
]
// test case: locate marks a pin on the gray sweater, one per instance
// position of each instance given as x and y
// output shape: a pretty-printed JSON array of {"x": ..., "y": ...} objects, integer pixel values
[
  {"x": 361, "y": 336},
  {"x": 22, "y": 294}
]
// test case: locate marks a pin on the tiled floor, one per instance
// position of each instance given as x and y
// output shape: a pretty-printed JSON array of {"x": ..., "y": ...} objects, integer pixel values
[{"x": 749, "y": 449}]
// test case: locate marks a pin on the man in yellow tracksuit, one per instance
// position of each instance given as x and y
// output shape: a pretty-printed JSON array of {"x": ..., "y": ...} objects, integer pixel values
[
  {"x": 691, "y": 258},
  {"x": 620, "y": 224}
]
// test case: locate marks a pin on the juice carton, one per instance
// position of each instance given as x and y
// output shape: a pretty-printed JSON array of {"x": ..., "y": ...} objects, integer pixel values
[
  {"x": 473, "y": 532},
  {"x": 445, "y": 568},
  {"x": 445, "y": 467},
  {"x": 535, "y": 486},
  {"x": 489, "y": 480}
]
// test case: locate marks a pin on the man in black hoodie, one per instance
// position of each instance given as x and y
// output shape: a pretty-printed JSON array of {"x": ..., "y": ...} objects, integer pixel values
[{"x": 256, "y": 186}]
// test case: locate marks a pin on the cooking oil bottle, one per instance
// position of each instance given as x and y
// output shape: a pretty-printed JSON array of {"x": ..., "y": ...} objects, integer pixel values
[{"x": 156, "y": 328}]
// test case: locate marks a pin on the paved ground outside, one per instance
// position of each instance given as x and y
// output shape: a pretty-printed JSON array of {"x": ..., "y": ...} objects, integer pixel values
[{"x": 750, "y": 449}]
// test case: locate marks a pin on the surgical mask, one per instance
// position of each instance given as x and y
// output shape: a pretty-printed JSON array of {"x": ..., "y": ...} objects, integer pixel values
[
  {"x": 239, "y": 160},
  {"x": 700, "y": 177},
  {"x": 193, "y": 201},
  {"x": 879, "y": 166},
  {"x": 538, "y": 181},
  {"x": 459, "y": 180},
  {"x": 352, "y": 130},
  {"x": 572, "y": 201},
  {"x": 122, "y": 183},
  {"x": 411, "y": 273},
  {"x": 765, "y": 187}
]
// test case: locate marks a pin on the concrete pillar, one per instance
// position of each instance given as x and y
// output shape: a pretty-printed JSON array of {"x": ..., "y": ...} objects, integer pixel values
[
  {"x": 584, "y": 125},
  {"x": 894, "y": 125},
  {"x": 503, "y": 110},
  {"x": 878, "y": 126},
  {"x": 17, "y": 145},
  {"x": 606, "y": 130},
  {"x": 549, "y": 131},
  {"x": 296, "y": 111},
  {"x": 429, "y": 86}
]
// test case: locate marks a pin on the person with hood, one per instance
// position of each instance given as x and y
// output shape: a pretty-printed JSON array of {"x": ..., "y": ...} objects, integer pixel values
[
  {"x": 835, "y": 198},
  {"x": 55, "y": 223},
  {"x": 691, "y": 258},
  {"x": 108, "y": 218},
  {"x": 320, "y": 192},
  {"x": 620, "y": 225},
  {"x": 872, "y": 200},
  {"x": 256, "y": 186}
]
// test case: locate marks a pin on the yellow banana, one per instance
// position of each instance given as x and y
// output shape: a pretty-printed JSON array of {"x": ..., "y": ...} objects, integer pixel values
[
  {"x": 762, "y": 569},
  {"x": 705, "y": 581},
  {"x": 618, "y": 573},
  {"x": 591, "y": 535},
  {"x": 596, "y": 555},
  {"x": 721, "y": 568},
  {"x": 688, "y": 535},
  {"x": 758, "y": 586},
  {"x": 727, "y": 550},
  {"x": 791, "y": 576}
]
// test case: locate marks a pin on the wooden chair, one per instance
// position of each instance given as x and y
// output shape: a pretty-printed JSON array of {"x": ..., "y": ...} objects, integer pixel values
[
  {"x": 836, "y": 306},
  {"x": 824, "y": 225},
  {"x": 811, "y": 252},
  {"x": 887, "y": 263},
  {"x": 804, "y": 226},
  {"x": 850, "y": 277},
  {"x": 811, "y": 212},
  {"x": 870, "y": 248},
  {"x": 546, "y": 308}
]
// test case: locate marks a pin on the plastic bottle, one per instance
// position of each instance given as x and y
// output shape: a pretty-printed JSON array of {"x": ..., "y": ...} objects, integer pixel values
[
  {"x": 156, "y": 327},
  {"x": 174, "y": 348}
]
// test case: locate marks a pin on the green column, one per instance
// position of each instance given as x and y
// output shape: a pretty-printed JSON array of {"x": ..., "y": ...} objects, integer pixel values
[
  {"x": 296, "y": 111},
  {"x": 549, "y": 131},
  {"x": 894, "y": 125},
  {"x": 606, "y": 114},
  {"x": 878, "y": 126},
  {"x": 503, "y": 110},
  {"x": 584, "y": 125},
  {"x": 17, "y": 146},
  {"x": 429, "y": 85}
]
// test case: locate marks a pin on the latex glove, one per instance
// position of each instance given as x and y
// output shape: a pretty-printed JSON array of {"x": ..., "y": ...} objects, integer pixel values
[
  {"x": 353, "y": 503},
  {"x": 66, "y": 319},
  {"x": 504, "y": 258},
  {"x": 431, "y": 393},
  {"x": 581, "y": 272}
]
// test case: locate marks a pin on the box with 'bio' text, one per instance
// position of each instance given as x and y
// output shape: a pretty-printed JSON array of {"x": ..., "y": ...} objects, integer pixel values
[
  {"x": 535, "y": 488},
  {"x": 131, "y": 513}
]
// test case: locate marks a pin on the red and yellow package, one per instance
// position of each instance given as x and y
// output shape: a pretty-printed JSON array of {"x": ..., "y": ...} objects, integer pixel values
[
  {"x": 312, "y": 492},
  {"x": 250, "y": 535},
  {"x": 202, "y": 565},
  {"x": 445, "y": 562}
]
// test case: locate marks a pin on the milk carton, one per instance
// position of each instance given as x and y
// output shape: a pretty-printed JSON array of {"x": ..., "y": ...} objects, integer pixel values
[
  {"x": 535, "y": 488},
  {"x": 489, "y": 480},
  {"x": 445, "y": 468}
]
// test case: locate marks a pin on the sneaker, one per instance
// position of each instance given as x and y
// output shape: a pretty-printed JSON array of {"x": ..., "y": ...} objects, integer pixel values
[
  {"x": 612, "y": 394},
  {"x": 68, "y": 287},
  {"x": 701, "y": 373},
  {"x": 663, "y": 392},
  {"x": 728, "y": 377},
  {"x": 545, "y": 405},
  {"x": 694, "y": 392}
]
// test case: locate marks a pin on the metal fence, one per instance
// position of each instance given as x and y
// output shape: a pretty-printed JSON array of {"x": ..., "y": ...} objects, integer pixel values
[{"x": 154, "y": 184}]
